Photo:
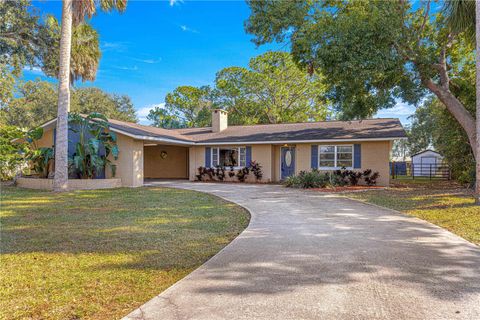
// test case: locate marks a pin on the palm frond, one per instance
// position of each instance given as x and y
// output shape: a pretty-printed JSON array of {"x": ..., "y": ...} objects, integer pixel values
[{"x": 460, "y": 16}]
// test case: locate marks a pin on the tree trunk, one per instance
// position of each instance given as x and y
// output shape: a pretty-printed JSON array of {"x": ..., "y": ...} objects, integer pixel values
[
  {"x": 60, "y": 182},
  {"x": 457, "y": 110},
  {"x": 477, "y": 105}
]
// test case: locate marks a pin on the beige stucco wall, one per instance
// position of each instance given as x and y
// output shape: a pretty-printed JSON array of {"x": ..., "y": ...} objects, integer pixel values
[
  {"x": 375, "y": 156},
  {"x": 173, "y": 167},
  {"x": 129, "y": 162},
  {"x": 47, "y": 139}
]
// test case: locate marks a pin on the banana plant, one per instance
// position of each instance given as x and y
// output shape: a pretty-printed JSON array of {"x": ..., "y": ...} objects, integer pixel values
[
  {"x": 39, "y": 157},
  {"x": 93, "y": 131}
]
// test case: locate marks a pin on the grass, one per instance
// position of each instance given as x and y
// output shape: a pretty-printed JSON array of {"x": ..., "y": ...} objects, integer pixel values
[
  {"x": 100, "y": 254},
  {"x": 439, "y": 202}
]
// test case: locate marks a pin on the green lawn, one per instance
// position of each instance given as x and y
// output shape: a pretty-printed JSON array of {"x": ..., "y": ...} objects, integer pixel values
[
  {"x": 439, "y": 202},
  {"x": 100, "y": 254}
]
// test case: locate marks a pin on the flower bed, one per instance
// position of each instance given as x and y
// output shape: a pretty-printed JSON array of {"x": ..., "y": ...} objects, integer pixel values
[
  {"x": 317, "y": 179},
  {"x": 73, "y": 184},
  {"x": 251, "y": 173}
]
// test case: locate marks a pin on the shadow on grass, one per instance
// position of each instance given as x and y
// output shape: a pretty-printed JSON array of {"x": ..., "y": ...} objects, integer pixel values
[{"x": 298, "y": 239}]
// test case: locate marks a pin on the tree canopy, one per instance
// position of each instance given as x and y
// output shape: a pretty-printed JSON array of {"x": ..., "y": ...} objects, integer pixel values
[
  {"x": 273, "y": 89},
  {"x": 35, "y": 103},
  {"x": 371, "y": 53}
]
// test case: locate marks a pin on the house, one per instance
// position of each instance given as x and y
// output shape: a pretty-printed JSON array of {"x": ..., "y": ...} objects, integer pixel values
[
  {"x": 426, "y": 163},
  {"x": 281, "y": 149}
]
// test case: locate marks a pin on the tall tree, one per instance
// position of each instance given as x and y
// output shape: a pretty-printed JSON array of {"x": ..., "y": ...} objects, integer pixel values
[
  {"x": 85, "y": 55},
  {"x": 370, "y": 53},
  {"x": 273, "y": 90},
  {"x": 464, "y": 16},
  {"x": 23, "y": 38},
  {"x": 162, "y": 118},
  {"x": 73, "y": 12},
  {"x": 35, "y": 102},
  {"x": 191, "y": 105}
]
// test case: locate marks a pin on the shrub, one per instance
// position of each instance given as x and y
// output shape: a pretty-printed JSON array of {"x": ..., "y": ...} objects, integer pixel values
[
  {"x": 306, "y": 180},
  {"x": 242, "y": 174},
  {"x": 370, "y": 178},
  {"x": 256, "y": 169},
  {"x": 336, "y": 178},
  {"x": 354, "y": 177}
]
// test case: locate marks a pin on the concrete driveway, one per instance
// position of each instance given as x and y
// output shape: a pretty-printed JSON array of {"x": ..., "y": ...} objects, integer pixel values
[{"x": 308, "y": 255}]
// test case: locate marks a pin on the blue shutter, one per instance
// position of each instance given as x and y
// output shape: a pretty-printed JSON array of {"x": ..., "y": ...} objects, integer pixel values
[
  {"x": 357, "y": 156},
  {"x": 208, "y": 155},
  {"x": 248, "y": 155},
  {"x": 314, "y": 159}
]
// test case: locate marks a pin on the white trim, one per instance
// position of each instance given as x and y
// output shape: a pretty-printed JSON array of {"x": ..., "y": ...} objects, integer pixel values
[
  {"x": 335, "y": 156},
  {"x": 229, "y": 147},
  {"x": 150, "y": 138}
]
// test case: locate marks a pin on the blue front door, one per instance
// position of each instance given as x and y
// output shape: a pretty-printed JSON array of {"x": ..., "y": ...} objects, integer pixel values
[{"x": 287, "y": 162}]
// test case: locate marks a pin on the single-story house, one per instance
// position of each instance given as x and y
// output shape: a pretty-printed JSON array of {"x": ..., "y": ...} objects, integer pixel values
[{"x": 281, "y": 149}]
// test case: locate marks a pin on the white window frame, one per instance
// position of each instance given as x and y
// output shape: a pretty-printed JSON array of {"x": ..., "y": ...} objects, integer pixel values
[
  {"x": 335, "y": 146},
  {"x": 239, "y": 148}
]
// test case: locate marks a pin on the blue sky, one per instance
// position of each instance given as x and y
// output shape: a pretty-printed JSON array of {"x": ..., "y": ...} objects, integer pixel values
[{"x": 154, "y": 46}]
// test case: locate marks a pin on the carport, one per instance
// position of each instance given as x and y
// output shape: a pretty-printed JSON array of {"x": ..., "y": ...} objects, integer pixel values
[{"x": 165, "y": 161}]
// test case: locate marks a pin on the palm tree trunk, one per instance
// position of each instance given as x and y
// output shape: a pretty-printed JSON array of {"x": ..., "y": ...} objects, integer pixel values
[
  {"x": 60, "y": 182},
  {"x": 477, "y": 105}
]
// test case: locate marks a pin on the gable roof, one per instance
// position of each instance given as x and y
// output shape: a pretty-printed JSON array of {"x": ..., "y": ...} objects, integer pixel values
[
  {"x": 324, "y": 131},
  {"x": 426, "y": 150}
]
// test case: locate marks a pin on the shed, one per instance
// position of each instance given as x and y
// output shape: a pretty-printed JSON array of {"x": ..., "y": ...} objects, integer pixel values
[{"x": 426, "y": 162}]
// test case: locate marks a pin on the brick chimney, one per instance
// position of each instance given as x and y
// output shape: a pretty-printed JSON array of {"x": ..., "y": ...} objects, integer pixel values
[{"x": 219, "y": 120}]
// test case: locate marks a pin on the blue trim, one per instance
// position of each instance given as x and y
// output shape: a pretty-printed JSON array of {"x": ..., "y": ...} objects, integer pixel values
[
  {"x": 357, "y": 156},
  {"x": 248, "y": 155},
  {"x": 208, "y": 157},
  {"x": 314, "y": 158}
]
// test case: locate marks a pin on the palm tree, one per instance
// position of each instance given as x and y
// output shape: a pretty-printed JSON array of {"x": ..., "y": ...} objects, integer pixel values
[
  {"x": 73, "y": 12},
  {"x": 85, "y": 52},
  {"x": 464, "y": 16}
]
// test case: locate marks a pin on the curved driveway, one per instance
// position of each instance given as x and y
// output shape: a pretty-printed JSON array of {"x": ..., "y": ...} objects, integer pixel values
[{"x": 308, "y": 255}]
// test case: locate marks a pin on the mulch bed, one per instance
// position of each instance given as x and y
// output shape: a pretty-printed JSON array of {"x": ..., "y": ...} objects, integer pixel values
[{"x": 348, "y": 189}]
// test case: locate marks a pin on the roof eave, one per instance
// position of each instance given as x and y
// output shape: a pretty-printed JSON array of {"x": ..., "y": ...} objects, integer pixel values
[{"x": 211, "y": 143}]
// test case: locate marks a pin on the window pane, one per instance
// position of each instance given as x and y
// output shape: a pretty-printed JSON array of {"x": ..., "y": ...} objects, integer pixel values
[
  {"x": 214, "y": 157},
  {"x": 344, "y": 163},
  {"x": 243, "y": 157},
  {"x": 329, "y": 149},
  {"x": 228, "y": 157},
  {"x": 327, "y": 156},
  {"x": 327, "y": 163},
  {"x": 344, "y": 156},
  {"x": 344, "y": 149}
]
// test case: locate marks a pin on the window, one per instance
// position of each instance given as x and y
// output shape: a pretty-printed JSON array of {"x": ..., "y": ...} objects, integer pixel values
[
  {"x": 334, "y": 157},
  {"x": 229, "y": 157}
]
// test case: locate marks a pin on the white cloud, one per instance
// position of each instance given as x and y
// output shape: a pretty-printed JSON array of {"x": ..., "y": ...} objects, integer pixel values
[
  {"x": 134, "y": 68},
  {"x": 400, "y": 110},
  {"x": 149, "y": 61},
  {"x": 34, "y": 70},
  {"x": 142, "y": 113},
  {"x": 119, "y": 46},
  {"x": 174, "y": 2},
  {"x": 188, "y": 29}
]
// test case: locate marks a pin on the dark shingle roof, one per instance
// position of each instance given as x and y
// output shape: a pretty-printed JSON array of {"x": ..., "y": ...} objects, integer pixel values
[{"x": 386, "y": 128}]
